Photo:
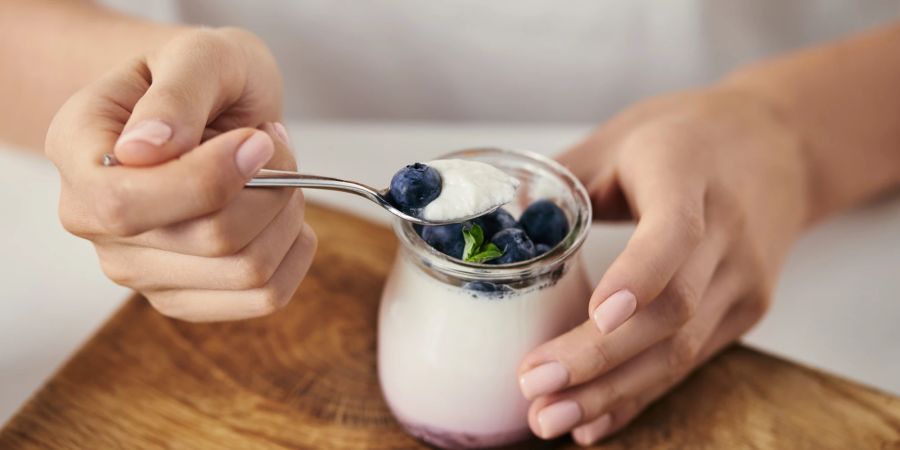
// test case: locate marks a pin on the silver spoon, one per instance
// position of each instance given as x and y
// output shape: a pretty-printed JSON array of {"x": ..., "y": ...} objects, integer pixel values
[{"x": 267, "y": 178}]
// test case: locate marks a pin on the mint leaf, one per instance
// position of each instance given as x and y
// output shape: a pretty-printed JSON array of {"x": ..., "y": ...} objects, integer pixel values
[
  {"x": 476, "y": 250},
  {"x": 487, "y": 253},
  {"x": 473, "y": 236}
]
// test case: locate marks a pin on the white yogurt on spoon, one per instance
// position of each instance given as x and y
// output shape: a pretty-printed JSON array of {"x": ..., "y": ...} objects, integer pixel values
[{"x": 468, "y": 188}]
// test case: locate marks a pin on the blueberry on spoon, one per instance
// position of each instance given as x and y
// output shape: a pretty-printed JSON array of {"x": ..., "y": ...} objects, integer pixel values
[{"x": 415, "y": 186}]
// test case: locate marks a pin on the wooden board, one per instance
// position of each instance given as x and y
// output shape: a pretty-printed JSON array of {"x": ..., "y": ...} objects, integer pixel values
[{"x": 305, "y": 378}]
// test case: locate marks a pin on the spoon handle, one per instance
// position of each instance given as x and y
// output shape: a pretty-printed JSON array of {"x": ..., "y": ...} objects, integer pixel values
[{"x": 282, "y": 178}]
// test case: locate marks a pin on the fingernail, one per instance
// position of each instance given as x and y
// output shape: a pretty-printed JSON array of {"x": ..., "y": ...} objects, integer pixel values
[
  {"x": 544, "y": 379},
  {"x": 153, "y": 132},
  {"x": 614, "y": 311},
  {"x": 591, "y": 432},
  {"x": 558, "y": 418},
  {"x": 254, "y": 153},
  {"x": 281, "y": 131}
]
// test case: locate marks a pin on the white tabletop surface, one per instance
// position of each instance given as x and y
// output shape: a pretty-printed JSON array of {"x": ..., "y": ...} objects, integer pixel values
[{"x": 836, "y": 307}]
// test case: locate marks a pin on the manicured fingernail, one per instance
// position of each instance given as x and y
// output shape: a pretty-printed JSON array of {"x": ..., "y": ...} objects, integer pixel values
[
  {"x": 544, "y": 379},
  {"x": 153, "y": 132},
  {"x": 558, "y": 418},
  {"x": 614, "y": 311},
  {"x": 254, "y": 153},
  {"x": 591, "y": 432},
  {"x": 281, "y": 131}
]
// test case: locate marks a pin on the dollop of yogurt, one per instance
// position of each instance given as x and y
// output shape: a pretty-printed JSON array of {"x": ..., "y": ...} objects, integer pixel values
[{"x": 468, "y": 188}]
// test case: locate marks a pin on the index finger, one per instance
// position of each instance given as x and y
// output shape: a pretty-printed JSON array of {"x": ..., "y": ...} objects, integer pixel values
[
  {"x": 669, "y": 201},
  {"x": 126, "y": 201}
]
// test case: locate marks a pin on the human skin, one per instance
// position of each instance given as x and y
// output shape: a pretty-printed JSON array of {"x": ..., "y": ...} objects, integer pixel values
[
  {"x": 720, "y": 180},
  {"x": 191, "y": 114},
  {"x": 50, "y": 49}
]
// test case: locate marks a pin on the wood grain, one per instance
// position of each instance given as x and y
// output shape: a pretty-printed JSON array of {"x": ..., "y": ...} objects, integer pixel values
[{"x": 305, "y": 378}]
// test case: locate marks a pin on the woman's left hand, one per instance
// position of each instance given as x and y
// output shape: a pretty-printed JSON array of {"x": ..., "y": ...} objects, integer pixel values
[{"x": 718, "y": 186}]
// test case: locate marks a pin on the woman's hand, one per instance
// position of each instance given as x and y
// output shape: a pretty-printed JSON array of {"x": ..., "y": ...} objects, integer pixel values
[
  {"x": 718, "y": 187},
  {"x": 190, "y": 123}
]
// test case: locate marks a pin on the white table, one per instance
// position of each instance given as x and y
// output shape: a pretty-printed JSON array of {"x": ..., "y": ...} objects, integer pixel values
[{"x": 836, "y": 306}]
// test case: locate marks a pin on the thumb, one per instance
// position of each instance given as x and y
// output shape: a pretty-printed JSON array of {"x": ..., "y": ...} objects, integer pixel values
[
  {"x": 188, "y": 84},
  {"x": 137, "y": 199}
]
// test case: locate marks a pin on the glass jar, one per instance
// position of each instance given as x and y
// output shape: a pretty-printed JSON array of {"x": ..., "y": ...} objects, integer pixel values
[{"x": 452, "y": 334}]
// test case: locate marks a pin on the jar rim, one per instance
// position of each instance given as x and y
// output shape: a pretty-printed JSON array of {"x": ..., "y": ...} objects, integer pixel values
[{"x": 546, "y": 262}]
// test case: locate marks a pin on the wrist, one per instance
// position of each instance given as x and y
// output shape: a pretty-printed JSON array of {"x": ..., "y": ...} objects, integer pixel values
[
  {"x": 825, "y": 192},
  {"x": 836, "y": 99}
]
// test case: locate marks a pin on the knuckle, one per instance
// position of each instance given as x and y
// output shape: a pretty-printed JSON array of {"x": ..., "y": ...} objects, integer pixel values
[
  {"x": 607, "y": 396},
  {"x": 216, "y": 238},
  {"x": 758, "y": 304},
  {"x": 724, "y": 214},
  {"x": 625, "y": 413},
  {"x": 664, "y": 136},
  {"x": 680, "y": 302},
  {"x": 735, "y": 222},
  {"x": 204, "y": 43},
  {"x": 629, "y": 410},
  {"x": 219, "y": 50},
  {"x": 683, "y": 350},
  {"x": 758, "y": 270},
  {"x": 310, "y": 239},
  {"x": 53, "y": 141},
  {"x": 115, "y": 272},
  {"x": 165, "y": 305},
  {"x": 692, "y": 223},
  {"x": 600, "y": 354},
  {"x": 64, "y": 125},
  {"x": 758, "y": 280},
  {"x": 270, "y": 300},
  {"x": 70, "y": 223},
  {"x": 70, "y": 220},
  {"x": 251, "y": 272},
  {"x": 237, "y": 33},
  {"x": 113, "y": 211},
  {"x": 212, "y": 41},
  {"x": 651, "y": 137}
]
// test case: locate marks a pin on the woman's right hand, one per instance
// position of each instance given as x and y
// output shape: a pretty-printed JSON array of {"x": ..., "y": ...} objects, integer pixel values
[{"x": 190, "y": 123}]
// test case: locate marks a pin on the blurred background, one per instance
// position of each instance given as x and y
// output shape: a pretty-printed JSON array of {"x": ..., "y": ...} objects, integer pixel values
[{"x": 382, "y": 83}]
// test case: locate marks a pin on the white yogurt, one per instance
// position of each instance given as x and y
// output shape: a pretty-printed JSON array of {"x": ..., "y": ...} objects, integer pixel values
[
  {"x": 447, "y": 356},
  {"x": 468, "y": 188}
]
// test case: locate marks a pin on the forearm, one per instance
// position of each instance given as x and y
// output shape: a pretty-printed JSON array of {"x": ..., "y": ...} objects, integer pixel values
[
  {"x": 844, "y": 102},
  {"x": 50, "y": 49}
]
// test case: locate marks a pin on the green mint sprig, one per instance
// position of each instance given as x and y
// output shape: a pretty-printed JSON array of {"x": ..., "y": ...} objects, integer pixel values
[{"x": 476, "y": 250}]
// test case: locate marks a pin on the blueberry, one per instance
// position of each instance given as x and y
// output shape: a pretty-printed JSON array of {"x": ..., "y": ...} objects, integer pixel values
[
  {"x": 540, "y": 249},
  {"x": 488, "y": 289},
  {"x": 515, "y": 245},
  {"x": 545, "y": 223},
  {"x": 414, "y": 186},
  {"x": 492, "y": 223},
  {"x": 447, "y": 239}
]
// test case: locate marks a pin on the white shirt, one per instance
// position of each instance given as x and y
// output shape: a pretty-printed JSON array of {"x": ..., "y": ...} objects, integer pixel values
[{"x": 522, "y": 60}]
